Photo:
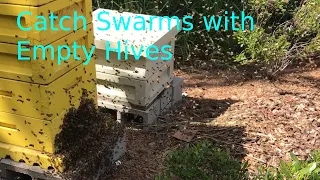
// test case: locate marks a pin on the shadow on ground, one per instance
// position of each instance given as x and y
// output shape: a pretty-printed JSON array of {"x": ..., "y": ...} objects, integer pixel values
[{"x": 147, "y": 150}]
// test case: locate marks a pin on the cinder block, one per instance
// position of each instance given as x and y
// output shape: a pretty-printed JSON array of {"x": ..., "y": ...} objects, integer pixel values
[
  {"x": 171, "y": 95},
  {"x": 149, "y": 115},
  {"x": 177, "y": 89},
  {"x": 137, "y": 92},
  {"x": 46, "y": 101},
  {"x": 166, "y": 98},
  {"x": 167, "y": 108},
  {"x": 11, "y": 33},
  {"x": 43, "y": 71}
]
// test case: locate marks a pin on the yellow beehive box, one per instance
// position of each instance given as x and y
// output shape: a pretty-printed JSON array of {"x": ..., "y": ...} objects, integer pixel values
[
  {"x": 46, "y": 101},
  {"x": 32, "y": 133},
  {"x": 31, "y": 157},
  {"x": 11, "y": 33},
  {"x": 43, "y": 71},
  {"x": 26, "y": 2}
]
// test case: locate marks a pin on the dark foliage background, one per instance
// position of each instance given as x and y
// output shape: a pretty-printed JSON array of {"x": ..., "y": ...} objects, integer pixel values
[{"x": 276, "y": 23}]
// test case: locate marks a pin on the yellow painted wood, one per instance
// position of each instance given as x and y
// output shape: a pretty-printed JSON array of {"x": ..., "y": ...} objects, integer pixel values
[
  {"x": 31, "y": 157},
  {"x": 46, "y": 101},
  {"x": 32, "y": 133},
  {"x": 10, "y": 32},
  {"x": 26, "y": 2},
  {"x": 43, "y": 71}
]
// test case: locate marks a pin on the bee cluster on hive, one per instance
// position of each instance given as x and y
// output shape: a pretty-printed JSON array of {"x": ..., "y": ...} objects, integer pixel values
[{"x": 89, "y": 142}]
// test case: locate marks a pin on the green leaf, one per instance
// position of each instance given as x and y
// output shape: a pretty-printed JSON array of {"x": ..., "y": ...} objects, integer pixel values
[
  {"x": 312, "y": 167},
  {"x": 294, "y": 157},
  {"x": 284, "y": 169},
  {"x": 305, "y": 172}
]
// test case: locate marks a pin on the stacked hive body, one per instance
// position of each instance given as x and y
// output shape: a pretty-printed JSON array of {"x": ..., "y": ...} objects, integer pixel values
[
  {"x": 129, "y": 82},
  {"x": 36, "y": 94}
]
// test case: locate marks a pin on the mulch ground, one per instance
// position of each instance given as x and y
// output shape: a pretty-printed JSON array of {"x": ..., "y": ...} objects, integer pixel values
[{"x": 255, "y": 119}]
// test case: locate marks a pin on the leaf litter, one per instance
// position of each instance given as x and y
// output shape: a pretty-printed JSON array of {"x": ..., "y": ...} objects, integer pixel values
[{"x": 256, "y": 120}]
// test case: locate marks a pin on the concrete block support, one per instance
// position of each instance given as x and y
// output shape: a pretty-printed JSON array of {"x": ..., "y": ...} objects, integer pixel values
[
  {"x": 148, "y": 115},
  {"x": 177, "y": 89},
  {"x": 166, "y": 99}
]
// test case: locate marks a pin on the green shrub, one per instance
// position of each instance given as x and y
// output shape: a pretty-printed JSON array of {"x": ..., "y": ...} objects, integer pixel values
[
  {"x": 290, "y": 27},
  {"x": 308, "y": 17},
  {"x": 314, "y": 46},
  {"x": 204, "y": 162},
  {"x": 269, "y": 14},
  {"x": 308, "y": 27},
  {"x": 293, "y": 170},
  {"x": 263, "y": 49},
  {"x": 275, "y": 46}
]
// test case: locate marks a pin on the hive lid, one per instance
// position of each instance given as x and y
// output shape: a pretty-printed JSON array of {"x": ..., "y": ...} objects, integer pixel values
[{"x": 151, "y": 34}]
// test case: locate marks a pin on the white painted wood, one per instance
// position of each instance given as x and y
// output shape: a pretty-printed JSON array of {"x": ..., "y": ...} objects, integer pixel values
[
  {"x": 138, "y": 92},
  {"x": 163, "y": 102},
  {"x": 137, "y": 69},
  {"x": 142, "y": 68},
  {"x": 152, "y": 35}
]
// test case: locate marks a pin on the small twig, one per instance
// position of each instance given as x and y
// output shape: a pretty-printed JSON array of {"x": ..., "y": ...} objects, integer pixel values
[
  {"x": 260, "y": 160},
  {"x": 263, "y": 135},
  {"x": 197, "y": 123},
  {"x": 170, "y": 149},
  {"x": 220, "y": 141}
]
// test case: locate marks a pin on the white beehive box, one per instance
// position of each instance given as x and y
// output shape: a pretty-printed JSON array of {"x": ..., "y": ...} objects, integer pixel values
[
  {"x": 137, "y": 92},
  {"x": 163, "y": 102},
  {"x": 142, "y": 68}
]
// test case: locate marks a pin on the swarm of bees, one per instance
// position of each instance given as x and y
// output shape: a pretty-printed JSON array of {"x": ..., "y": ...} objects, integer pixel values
[{"x": 87, "y": 139}]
